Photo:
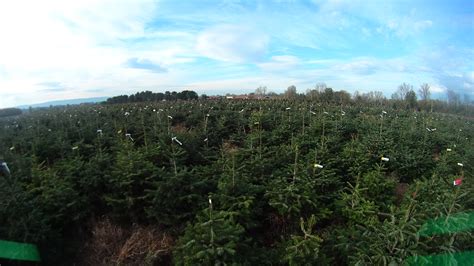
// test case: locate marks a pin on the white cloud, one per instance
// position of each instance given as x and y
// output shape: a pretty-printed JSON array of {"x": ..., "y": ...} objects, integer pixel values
[
  {"x": 360, "y": 66},
  {"x": 457, "y": 81},
  {"x": 404, "y": 26},
  {"x": 437, "y": 88},
  {"x": 469, "y": 77},
  {"x": 280, "y": 63},
  {"x": 370, "y": 65},
  {"x": 66, "y": 33},
  {"x": 422, "y": 25},
  {"x": 79, "y": 44},
  {"x": 232, "y": 43},
  {"x": 450, "y": 67}
]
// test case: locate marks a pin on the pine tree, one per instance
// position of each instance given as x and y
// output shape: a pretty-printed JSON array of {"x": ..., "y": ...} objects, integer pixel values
[
  {"x": 214, "y": 239},
  {"x": 305, "y": 249}
]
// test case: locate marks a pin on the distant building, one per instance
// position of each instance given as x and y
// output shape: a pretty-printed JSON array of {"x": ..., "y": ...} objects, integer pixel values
[
  {"x": 250, "y": 96},
  {"x": 214, "y": 97}
]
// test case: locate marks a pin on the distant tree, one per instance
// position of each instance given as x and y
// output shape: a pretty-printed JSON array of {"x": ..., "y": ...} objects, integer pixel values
[
  {"x": 378, "y": 97},
  {"x": 174, "y": 95},
  {"x": 453, "y": 97},
  {"x": 261, "y": 91},
  {"x": 410, "y": 98},
  {"x": 317, "y": 92},
  {"x": 467, "y": 99},
  {"x": 167, "y": 95},
  {"x": 402, "y": 91},
  {"x": 357, "y": 96},
  {"x": 342, "y": 97},
  {"x": 149, "y": 96},
  {"x": 290, "y": 92},
  {"x": 312, "y": 94},
  {"x": 320, "y": 87},
  {"x": 424, "y": 92},
  {"x": 374, "y": 97},
  {"x": 117, "y": 99},
  {"x": 159, "y": 96},
  {"x": 328, "y": 95},
  {"x": 272, "y": 94},
  {"x": 395, "y": 96},
  {"x": 187, "y": 95}
]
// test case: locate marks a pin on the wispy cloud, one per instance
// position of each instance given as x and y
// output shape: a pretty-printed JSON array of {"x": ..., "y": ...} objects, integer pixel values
[
  {"x": 145, "y": 64},
  {"x": 52, "y": 86},
  {"x": 461, "y": 83},
  {"x": 279, "y": 63},
  {"x": 232, "y": 43}
]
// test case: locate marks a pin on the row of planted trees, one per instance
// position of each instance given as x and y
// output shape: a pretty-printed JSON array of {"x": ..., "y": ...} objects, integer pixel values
[{"x": 245, "y": 182}]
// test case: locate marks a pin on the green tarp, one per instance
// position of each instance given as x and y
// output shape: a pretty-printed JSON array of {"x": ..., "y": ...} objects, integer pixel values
[
  {"x": 458, "y": 259},
  {"x": 447, "y": 225},
  {"x": 460, "y": 222},
  {"x": 18, "y": 251}
]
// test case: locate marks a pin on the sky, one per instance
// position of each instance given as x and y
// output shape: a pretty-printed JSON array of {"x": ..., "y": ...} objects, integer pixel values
[{"x": 61, "y": 49}]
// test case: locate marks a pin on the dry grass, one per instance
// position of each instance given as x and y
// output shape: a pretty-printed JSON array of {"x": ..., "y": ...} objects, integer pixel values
[
  {"x": 179, "y": 128},
  {"x": 400, "y": 190},
  {"x": 111, "y": 244},
  {"x": 230, "y": 148}
]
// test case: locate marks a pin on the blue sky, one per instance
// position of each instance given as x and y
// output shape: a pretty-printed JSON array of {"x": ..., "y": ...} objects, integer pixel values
[{"x": 56, "y": 49}]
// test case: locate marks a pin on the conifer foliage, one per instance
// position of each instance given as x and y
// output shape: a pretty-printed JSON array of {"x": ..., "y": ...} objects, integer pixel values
[{"x": 228, "y": 182}]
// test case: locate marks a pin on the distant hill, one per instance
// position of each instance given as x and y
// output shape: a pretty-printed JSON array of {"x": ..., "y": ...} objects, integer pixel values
[
  {"x": 64, "y": 102},
  {"x": 5, "y": 112}
]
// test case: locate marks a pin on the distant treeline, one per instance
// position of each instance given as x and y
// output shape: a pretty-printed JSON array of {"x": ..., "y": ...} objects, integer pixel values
[
  {"x": 149, "y": 96},
  {"x": 405, "y": 97},
  {"x": 10, "y": 112}
]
